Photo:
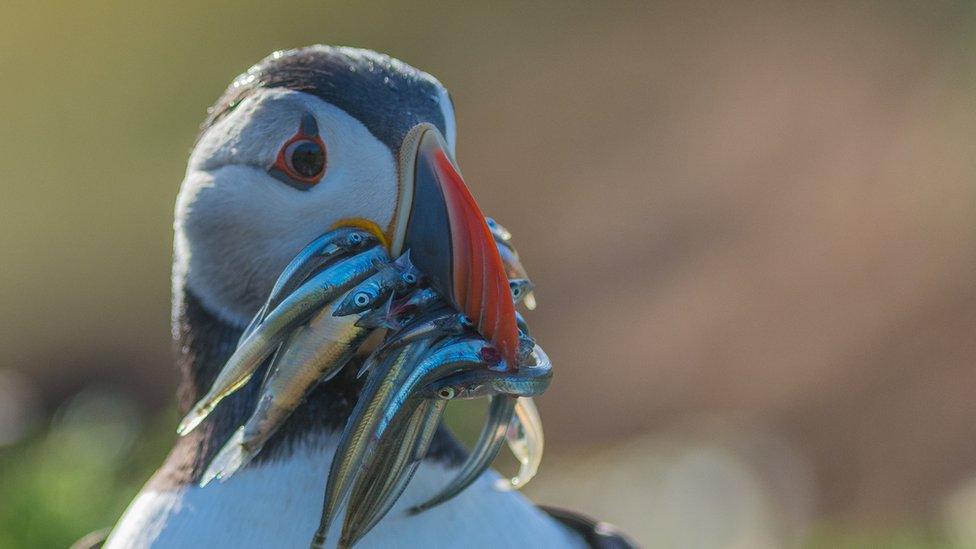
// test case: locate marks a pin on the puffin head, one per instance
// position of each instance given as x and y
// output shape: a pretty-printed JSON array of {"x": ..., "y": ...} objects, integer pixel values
[{"x": 315, "y": 138}]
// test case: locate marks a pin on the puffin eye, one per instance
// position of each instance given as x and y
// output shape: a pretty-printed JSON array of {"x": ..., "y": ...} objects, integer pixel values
[
  {"x": 301, "y": 161},
  {"x": 305, "y": 158}
]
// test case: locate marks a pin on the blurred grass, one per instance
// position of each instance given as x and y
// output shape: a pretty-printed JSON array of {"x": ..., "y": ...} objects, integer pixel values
[{"x": 77, "y": 473}]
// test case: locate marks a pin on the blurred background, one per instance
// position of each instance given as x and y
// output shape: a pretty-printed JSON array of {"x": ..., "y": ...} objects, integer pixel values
[{"x": 752, "y": 227}]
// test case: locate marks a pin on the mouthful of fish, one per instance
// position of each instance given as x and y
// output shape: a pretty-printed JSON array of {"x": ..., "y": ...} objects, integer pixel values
[{"x": 440, "y": 297}]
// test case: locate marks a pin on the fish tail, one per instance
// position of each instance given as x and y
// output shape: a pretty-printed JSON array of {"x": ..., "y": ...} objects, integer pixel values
[{"x": 231, "y": 458}]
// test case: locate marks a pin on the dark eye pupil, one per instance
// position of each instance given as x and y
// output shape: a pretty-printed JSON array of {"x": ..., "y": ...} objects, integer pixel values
[{"x": 307, "y": 159}]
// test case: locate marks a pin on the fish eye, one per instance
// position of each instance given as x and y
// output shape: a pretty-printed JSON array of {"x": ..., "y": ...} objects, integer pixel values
[
  {"x": 361, "y": 299},
  {"x": 355, "y": 239},
  {"x": 410, "y": 278},
  {"x": 446, "y": 393},
  {"x": 301, "y": 161}
]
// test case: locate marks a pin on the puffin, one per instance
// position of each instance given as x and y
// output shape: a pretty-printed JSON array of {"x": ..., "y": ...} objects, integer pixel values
[{"x": 305, "y": 141}]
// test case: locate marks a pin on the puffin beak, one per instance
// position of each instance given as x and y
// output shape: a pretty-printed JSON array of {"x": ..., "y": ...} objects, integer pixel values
[{"x": 445, "y": 231}]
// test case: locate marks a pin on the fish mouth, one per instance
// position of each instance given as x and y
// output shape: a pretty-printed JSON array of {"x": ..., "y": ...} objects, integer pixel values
[{"x": 440, "y": 223}]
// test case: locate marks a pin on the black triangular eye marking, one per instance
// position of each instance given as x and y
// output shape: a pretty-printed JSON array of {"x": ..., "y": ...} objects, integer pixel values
[{"x": 309, "y": 126}]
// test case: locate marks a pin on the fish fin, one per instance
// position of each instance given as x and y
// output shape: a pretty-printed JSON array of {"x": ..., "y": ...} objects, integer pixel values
[
  {"x": 403, "y": 262},
  {"x": 367, "y": 365},
  {"x": 380, "y": 317}
]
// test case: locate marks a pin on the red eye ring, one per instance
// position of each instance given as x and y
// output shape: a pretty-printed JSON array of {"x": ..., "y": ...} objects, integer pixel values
[{"x": 301, "y": 161}]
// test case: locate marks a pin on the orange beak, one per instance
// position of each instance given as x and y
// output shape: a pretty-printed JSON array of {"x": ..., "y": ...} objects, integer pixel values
[{"x": 449, "y": 241}]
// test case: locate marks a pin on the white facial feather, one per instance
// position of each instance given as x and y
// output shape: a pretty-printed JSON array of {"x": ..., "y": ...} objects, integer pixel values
[{"x": 237, "y": 226}]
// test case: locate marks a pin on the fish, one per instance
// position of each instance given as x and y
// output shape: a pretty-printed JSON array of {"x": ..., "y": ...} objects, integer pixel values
[
  {"x": 389, "y": 279},
  {"x": 521, "y": 287},
  {"x": 295, "y": 309},
  {"x": 503, "y": 388},
  {"x": 387, "y": 390},
  {"x": 419, "y": 315},
  {"x": 396, "y": 465},
  {"x": 500, "y": 233},
  {"x": 437, "y": 325},
  {"x": 422, "y": 300},
  {"x": 314, "y": 353},
  {"x": 354, "y": 443},
  {"x": 317, "y": 253},
  {"x": 520, "y": 322},
  {"x": 526, "y": 350},
  {"x": 490, "y": 441},
  {"x": 510, "y": 259},
  {"x": 466, "y": 385},
  {"x": 381, "y": 317},
  {"x": 526, "y": 441}
]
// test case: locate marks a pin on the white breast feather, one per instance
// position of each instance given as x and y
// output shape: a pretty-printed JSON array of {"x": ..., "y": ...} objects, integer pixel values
[{"x": 278, "y": 505}]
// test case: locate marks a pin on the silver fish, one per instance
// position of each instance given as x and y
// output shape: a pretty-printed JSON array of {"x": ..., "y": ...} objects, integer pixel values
[
  {"x": 295, "y": 309},
  {"x": 510, "y": 258},
  {"x": 387, "y": 390},
  {"x": 525, "y": 382},
  {"x": 317, "y": 253},
  {"x": 372, "y": 292},
  {"x": 500, "y": 233},
  {"x": 526, "y": 441},
  {"x": 314, "y": 353},
  {"x": 372, "y": 500},
  {"x": 521, "y": 287},
  {"x": 358, "y": 438},
  {"x": 525, "y": 437},
  {"x": 484, "y": 452},
  {"x": 433, "y": 326},
  {"x": 511, "y": 261},
  {"x": 423, "y": 299},
  {"x": 523, "y": 326}
]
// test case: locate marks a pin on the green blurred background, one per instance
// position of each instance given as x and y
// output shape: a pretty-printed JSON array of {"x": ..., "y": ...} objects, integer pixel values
[{"x": 751, "y": 226}]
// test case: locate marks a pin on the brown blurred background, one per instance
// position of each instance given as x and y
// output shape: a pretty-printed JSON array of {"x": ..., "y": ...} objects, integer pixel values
[{"x": 751, "y": 227}]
